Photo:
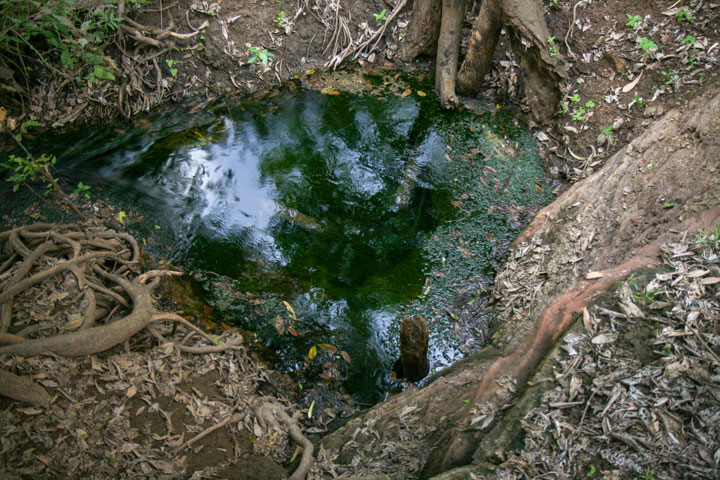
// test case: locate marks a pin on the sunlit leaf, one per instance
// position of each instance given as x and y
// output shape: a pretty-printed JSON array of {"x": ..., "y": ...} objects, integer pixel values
[
  {"x": 289, "y": 309},
  {"x": 421, "y": 93},
  {"x": 406, "y": 93},
  {"x": 312, "y": 353}
]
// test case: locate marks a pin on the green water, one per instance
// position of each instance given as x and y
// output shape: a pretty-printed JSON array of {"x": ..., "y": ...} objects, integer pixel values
[{"x": 339, "y": 205}]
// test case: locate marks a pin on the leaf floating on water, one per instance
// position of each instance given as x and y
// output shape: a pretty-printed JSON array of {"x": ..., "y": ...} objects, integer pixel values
[
  {"x": 345, "y": 356},
  {"x": 421, "y": 93},
  {"x": 292, "y": 331},
  {"x": 593, "y": 275},
  {"x": 312, "y": 353},
  {"x": 422, "y": 77},
  {"x": 328, "y": 348},
  {"x": 289, "y": 309},
  {"x": 329, "y": 91},
  {"x": 457, "y": 203},
  {"x": 406, "y": 93},
  {"x": 539, "y": 188},
  {"x": 279, "y": 325},
  {"x": 605, "y": 338},
  {"x": 489, "y": 169}
]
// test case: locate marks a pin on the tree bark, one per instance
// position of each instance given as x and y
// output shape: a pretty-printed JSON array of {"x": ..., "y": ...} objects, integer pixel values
[
  {"x": 483, "y": 41},
  {"x": 423, "y": 32},
  {"x": 453, "y": 14}
]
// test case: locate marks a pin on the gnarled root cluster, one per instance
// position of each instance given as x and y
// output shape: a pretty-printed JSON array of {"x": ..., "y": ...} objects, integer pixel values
[{"x": 74, "y": 290}]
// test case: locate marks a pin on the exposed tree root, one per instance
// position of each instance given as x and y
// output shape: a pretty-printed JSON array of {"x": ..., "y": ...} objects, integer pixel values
[
  {"x": 23, "y": 389},
  {"x": 268, "y": 415},
  {"x": 93, "y": 268}
]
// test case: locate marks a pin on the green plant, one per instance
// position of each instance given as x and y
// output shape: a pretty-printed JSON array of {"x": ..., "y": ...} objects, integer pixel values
[
  {"x": 553, "y": 3},
  {"x": 30, "y": 169},
  {"x": 170, "y": 62},
  {"x": 668, "y": 205},
  {"x": 633, "y": 20},
  {"x": 591, "y": 472},
  {"x": 607, "y": 131},
  {"x": 67, "y": 36},
  {"x": 684, "y": 16},
  {"x": 259, "y": 54},
  {"x": 637, "y": 100},
  {"x": 646, "y": 45},
  {"x": 380, "y": 17},
  {"x": 82, "y": 189},
  {"x": 590, "y": 104},
  {"x": 579, "y": 115},
  {"x": 671, "y": 78},
  {"x": 648, "y": 475},
  {"x": 710, "y": 239},
  {"x": 552, "y": 47},
  {"x": 575, "y": 98},
  {"x": 281, "y": 18},
  {"x": 688, "y": 39}
]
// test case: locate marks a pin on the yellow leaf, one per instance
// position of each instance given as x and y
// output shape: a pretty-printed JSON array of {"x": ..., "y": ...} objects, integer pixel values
[
  {"x": 406, "y": 93},
  {"x": 421, "y": 93},
  {"x": 328, "y": 348},
  {"x": 289, "y": 309},
  {"x": 345, "y": 356},
  {"x": 313, "y": 352},
  {"x": 312, "y": 405}
]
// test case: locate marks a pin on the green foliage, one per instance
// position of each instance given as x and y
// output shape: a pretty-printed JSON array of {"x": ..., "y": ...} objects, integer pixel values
[
  {"x": 82, "y": 189},
  {"x": 380, "y": 17},
  {"x": 633, "y": 20},
  {"x": 668, "y": 205},
  {"x": 671, "y": 77},
  {"x": 552, "y": 47},
  {"x": 170, "y": 62},
  {"x": 607, "y": 131},
  {"x": 591, "y": 472},
  {"x": 710, "y": 239},
  {"x": 281, "y": 18},
  {"x": 684, "y": 16},
  {"x": 590, "y": 104},
  {"x": 575, "y": 98},
  {"x": 61, "y": 33},
  {"x": 258, "y": 54},
  {"x": 28, "y": 169},
  {"x": 553, "y": 3},
  {"x": 646, "y": 45},
  {"x": 688, "y": 39},
  {"x": 579, "y": 115}
]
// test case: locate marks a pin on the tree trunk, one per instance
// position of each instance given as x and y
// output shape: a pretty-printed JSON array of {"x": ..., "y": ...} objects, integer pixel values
[
  {"x": 540, "y": 75},
  {"x": 439, "y": 427},
  {"x": 423, "y": 33},
  {"x": 483, "y": 41},
  {"x": 453, "y": 14}
]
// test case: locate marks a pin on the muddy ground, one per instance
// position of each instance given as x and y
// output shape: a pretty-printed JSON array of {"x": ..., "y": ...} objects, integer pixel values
[{"x": 110, "y": 417}]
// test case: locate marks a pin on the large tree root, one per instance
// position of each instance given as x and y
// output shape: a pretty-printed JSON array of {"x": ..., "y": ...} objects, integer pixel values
[
  {"x": 527, "y": 32},
  {"x": 93, "y": 267},
  {"x": 268, "y": 415}
]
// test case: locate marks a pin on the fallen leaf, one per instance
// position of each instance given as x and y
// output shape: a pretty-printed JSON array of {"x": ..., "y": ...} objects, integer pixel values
[
  {"x": 710, "y": 280},
  {"x": 310, "y": 410},
  {"x": 421, "y": 93},
  {"x": 292, "y": 331},
  {"x": 279, "y": 325},
  {"x": 632, "y": 84},
  {"x": 489, "y": 169},
  {"x": 406, "y": 93},
  {"x": 131, "y": 391},
  {"x": 327, "y": 347},
  {"x": 605, "y": 338},
  {"x": 313, "y": 352},
  {"x": 345, "y": 356},
  {"x": 593, "y": 275},
  {"x": 457, "y": 203},
  {"x": 586, "y": 320}
]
